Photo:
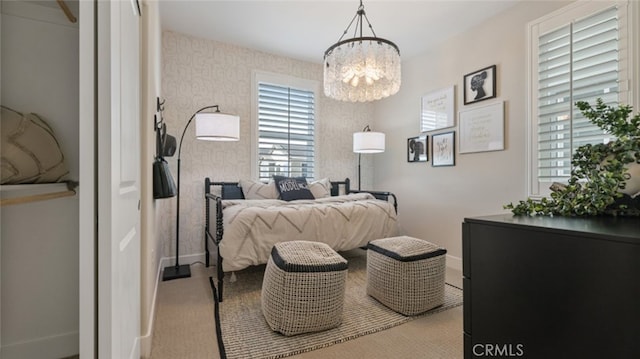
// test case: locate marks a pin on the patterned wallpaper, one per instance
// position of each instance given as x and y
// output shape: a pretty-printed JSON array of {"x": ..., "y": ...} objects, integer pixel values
[{"x": 197, "y": 73}]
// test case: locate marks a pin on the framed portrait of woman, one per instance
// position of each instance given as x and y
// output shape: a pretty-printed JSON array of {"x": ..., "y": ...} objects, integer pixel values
[
  {"x": 417, "y": 150},
  {"x": 480, "y": 85}
]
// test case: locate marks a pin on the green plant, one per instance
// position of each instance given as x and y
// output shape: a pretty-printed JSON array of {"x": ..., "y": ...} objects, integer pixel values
[{"x": 599, "y": 171}]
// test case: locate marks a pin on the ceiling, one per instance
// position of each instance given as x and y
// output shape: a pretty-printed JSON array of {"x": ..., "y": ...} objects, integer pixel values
[{"x": 304, "y": 29}]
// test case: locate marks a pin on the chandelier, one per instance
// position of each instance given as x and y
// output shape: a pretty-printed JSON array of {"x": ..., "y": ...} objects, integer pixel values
[{"x": 361, "y": 68}]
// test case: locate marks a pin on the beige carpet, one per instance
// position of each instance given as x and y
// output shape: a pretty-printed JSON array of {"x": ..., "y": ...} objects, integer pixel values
[
  {"x": 184, "y": 328},
  {"x": 246, "y": 334}
]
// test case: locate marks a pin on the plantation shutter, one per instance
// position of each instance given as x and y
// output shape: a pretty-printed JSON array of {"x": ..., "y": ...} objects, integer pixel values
[
  {"x": 577, "y": 62},
  {"x": 286, "y": 127}
]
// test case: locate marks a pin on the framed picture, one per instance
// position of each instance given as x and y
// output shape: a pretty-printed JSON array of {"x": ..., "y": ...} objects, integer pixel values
[
  {"x": 417, "y": 150},
  {"x": 438, "y": 110},
  {"x": 480, "y": 85},
  {"x": 443, "y": 149},
  {"x": 482, "y": 129}
]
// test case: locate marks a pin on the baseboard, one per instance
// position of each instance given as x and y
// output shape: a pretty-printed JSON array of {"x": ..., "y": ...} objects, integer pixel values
[
  {"x": 454, "y": 262},
  {"x": 146, "y": 339},
  {"x": 57, "y": 346},
  {"x": 135, "y": 350}
]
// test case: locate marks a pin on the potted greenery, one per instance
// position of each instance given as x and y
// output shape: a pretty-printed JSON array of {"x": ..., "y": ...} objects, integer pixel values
[{"x": 601, "y": 181}]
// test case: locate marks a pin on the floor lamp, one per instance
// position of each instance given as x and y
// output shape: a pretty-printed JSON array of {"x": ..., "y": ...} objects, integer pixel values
[
  {"x": 210, "y": 126},
  {"x": 367, "y": 141}
]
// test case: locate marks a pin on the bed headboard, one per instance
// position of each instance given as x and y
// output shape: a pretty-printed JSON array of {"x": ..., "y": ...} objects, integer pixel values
[
  {"x": 232, "y": 190},
  {"x": 340, "y": 187}
]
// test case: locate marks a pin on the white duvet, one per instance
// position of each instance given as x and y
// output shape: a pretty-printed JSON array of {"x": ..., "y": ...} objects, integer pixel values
[{"x": 252, "y": 227}]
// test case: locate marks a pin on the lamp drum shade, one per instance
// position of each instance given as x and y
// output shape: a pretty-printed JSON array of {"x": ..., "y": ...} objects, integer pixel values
[
  {"x": 217, "y": 126},
  {"x": 368, "y": 142}
]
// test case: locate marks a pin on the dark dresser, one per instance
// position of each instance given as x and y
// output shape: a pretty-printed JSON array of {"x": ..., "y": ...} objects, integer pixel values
[{"x": 551, "y": 287}]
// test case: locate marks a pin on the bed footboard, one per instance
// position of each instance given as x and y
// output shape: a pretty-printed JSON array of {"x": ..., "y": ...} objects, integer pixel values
[{"x": 219, "y": 231}]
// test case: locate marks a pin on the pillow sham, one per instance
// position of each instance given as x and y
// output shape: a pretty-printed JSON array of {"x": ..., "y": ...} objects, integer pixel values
[
  {"x": 320, "y": 188},
  {"x": 258, "y": 190},
  {"x": 293, "y": 188}
]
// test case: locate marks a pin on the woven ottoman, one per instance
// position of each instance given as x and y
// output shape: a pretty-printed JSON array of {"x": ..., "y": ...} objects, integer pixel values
[
  {"x": 406, "y": 274},
  {"x": 303, "y": 288}
]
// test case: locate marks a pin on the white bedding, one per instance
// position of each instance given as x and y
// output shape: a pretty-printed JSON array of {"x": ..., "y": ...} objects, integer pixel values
[{"x": 252, "y": 227}]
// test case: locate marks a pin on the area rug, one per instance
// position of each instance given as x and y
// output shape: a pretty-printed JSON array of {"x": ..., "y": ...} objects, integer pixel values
[{"x": 243, "y": 333}]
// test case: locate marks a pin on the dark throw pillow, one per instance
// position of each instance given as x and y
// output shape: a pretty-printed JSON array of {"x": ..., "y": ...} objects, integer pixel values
[{"x": 292, "y": 188}]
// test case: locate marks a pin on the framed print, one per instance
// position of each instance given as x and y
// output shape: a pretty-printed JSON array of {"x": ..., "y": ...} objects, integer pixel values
[
  {"x": 480, "y": 85},
  {"x": 482, "y": 129},
  {"x": 443, "y": 149},
  {"x": 438, "y": 110},
  {"x": 417, "y": 149}
]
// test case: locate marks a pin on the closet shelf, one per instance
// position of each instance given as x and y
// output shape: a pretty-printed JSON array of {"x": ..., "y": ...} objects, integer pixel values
[{"x": 27, "y": 193}]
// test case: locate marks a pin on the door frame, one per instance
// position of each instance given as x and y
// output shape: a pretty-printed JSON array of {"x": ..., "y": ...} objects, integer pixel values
[
  {"x": 102, "y": 274},
  {"x": 88, "y": 228}
]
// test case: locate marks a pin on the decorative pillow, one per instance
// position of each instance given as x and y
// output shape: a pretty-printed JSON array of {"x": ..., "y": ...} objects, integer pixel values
[
  {"x": 30, "y": 150},
  {"x": 292, "y": 188},
  {"x": 321, "y": 188},
  {"x": 258, "y": 190}
]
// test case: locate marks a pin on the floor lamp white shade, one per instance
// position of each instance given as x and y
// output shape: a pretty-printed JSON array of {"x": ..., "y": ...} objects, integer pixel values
[
  {"x": 368, "y": 142},
  {"x": 210, "y": 126},
  {"x": 217, "y": 126}
]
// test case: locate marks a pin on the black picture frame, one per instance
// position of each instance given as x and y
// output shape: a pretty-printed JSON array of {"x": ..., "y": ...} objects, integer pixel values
[
  {"x": 480, "y": 85},
  {"x": 443, "y": 151},
  {"x": 418, "y": 149}
]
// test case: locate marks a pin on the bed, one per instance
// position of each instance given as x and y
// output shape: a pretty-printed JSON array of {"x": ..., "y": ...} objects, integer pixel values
[{"x": 245, "y": 229}]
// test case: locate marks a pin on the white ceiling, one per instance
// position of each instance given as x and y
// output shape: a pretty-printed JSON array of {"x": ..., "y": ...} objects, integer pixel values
[{"x": 304, "y": 29}]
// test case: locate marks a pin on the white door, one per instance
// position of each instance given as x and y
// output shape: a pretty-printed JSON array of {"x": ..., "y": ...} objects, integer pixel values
[{"x": 118, "y": 181}]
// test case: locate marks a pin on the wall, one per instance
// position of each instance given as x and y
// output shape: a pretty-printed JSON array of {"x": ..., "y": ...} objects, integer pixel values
[
  {"x": 151, "y": 214},
  {"x": 435, "y": 200},
  {"x": 197, "y": 73},
  {"x": 40, "y": 240}
]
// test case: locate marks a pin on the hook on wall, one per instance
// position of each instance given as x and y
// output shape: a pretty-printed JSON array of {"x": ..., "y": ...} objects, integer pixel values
[
  {"x": 157, "y": 123},
  {"x": 159, "y": 105},
  {"x": 165, "y": 143}
]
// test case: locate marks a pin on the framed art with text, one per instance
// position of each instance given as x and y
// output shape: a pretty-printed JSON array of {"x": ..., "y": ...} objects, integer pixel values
[
  {"x": 438, "y": 110},
  {"x": 482, "y": 129},
  {"x": 443, "y": 149}
]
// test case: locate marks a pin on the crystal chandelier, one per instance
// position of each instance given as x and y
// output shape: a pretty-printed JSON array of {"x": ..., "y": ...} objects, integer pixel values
[{"x": 361, "y": 68}]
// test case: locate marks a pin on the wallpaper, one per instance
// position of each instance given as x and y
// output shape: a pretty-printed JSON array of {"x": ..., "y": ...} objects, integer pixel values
[{"x": 197, "y": 73}]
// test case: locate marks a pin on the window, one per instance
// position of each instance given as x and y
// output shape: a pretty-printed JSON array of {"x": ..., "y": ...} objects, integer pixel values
[
  {"x": 577, "y": 54},
  {"x": 285, "y": 131}
]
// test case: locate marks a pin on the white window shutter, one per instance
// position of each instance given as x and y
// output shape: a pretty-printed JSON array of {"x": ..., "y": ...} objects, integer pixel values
[
  {"x": 580, "y": 59},
  {"x": 286, "y": 127}
]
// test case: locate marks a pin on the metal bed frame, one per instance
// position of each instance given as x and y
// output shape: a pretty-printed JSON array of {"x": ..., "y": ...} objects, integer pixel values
[{"x": 231, "y": 190}]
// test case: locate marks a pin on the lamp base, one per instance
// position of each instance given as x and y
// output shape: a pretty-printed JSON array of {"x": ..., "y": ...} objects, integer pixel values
[{"x": 176, "y": 272}]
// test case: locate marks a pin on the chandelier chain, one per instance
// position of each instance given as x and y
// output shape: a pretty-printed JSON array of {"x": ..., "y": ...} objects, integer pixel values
[
  {"x": 348, "y": 27},
  {"x": 368, "y": 23},
  {"x": 359, "y": 23}
]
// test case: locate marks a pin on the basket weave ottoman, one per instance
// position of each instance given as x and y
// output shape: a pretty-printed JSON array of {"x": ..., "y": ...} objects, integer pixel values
[
  {"x": 303, "y": 288},
  {"x": 406, "y": 274}
]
